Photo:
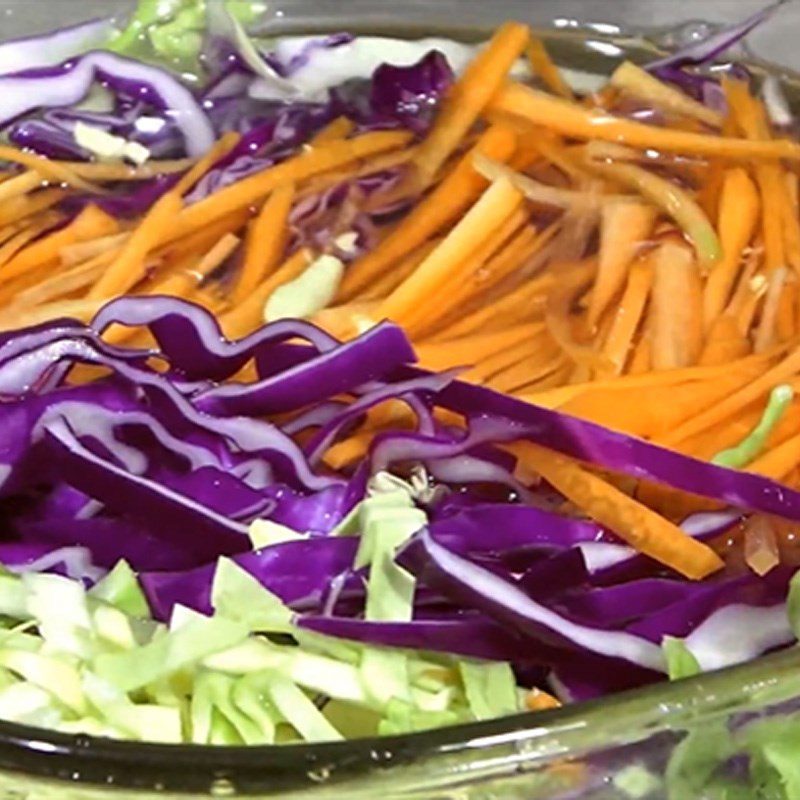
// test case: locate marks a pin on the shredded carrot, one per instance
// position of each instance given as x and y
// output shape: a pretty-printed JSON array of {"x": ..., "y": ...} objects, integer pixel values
[
  {"x": 724, "y": 342},
  {"x": 392, "y": 278},
  {"x": 91, "y": 223},
  {"x": 642, "y": 528},
  {"x": 543, "y": 66},
  {"x": 785, "y": 323},
  {"x": 50, "y": 170},
  {"x": 339, "y": 128},
  {"x": 120, "y": 171},
  {"x": 738, "y": 217},
  {"x": 499, "y": 201},
  {"x": 624, "y": 225},
  {"x": 537, "y": 700},
  {"x": 128, "y": 268},
  {"x": 20, "y": 185},
  {"x": 266, "y": 241},
  {"x": 778, "y": 462},
  {"x": 19, "y": 208},
  {"x": 469, "y": 96},
  {"x": 516, "y": 377},
  {"x": 677, "y": 308},
  {"x": 766, "y": 331},
  {"x": 574, "y": 120},
  {"x": 450, "y": 199},
  {"x": 627, "y": 316}
]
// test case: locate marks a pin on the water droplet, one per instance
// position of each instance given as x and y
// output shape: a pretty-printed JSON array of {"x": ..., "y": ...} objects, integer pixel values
[{"x": 319, "y": 775}]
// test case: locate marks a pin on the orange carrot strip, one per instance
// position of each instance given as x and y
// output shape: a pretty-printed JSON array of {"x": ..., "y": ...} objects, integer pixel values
[
  {"x": 83, "y": 310},
  {"x": 26, "y": 235},
  {"x": 52, "y": 171},
  {"x": 677, "y": 334},
  {"x": 119, "y": 171},
  {"x": 509, "y": 309},
  {"x": 247, "y": 316},
  {"x": 738, "y": 217},
  {"x": 524, "y": 373},
  {"x": 353, "y": 449},
  {"x": 91, "y": 223},
  {"x": 544, "y": 66},
  {"x": 266, "y": 241},
  {"x": 473, "y": 349},
  {"x": 392, "y": 278},
  {"x": 574, "y": 120},
  {"x": 527, "y": 350},
  {"x": 21, "y": 184},
  {"x": 469, "y": 96},
  {"x": 442, "y": 206},
  {"x": 724, "y": 343},
  {"x": 572, "y": 280},
  {"x": 636, "y": 81},
  {"x": 340, "y": 128},
  {"x": 642, "y": 528},
  {"x": 785, "y": 323},
  {"x": 765, "y": 334},
  {"x": 128, "y": 269},
  {"x": 82, "y": 251},
  {"x": 18, "y": 208},
  {"x": 62, "y": 283},
  {"x": 779, "y": 461},
  {"x": 497, "y": 203},
  {"x": 624, "y": 226},
  {"x": 627, "y": 316},
  {"x": 309, "y": 163},
  {"x": 641, "y": 360},
  {"x": 781, "y": 372}
]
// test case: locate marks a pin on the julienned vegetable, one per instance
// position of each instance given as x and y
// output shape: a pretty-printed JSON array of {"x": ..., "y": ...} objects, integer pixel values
[{"x": 220, "y": 531}]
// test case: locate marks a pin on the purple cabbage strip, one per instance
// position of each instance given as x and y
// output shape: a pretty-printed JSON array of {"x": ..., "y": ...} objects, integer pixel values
[
  {"x": 295, "y": 571},
  {"x": 69, "y": 82},
  {"x": 190, "y": 337},
  {"x": 708, "y": 49},
  {"x": 470, "y": 585},
  {"x": 473, "y": 636},
  {"x": 343, "y": 369}
]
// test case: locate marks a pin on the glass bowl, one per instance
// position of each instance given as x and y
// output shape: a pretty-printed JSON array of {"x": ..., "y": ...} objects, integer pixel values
[{"x": 598, "y": 750}]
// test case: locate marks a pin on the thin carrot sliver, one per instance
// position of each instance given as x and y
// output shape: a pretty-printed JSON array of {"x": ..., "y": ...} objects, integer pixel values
[
  {"x": 642, "y": 528},
  {"x": 774, "y": 376},
  {"x": 119, "y": 171},
  {"x": 677, "y": 308},
  {"x": 469, "y": 96},
  {"x": 91, "y": 223},
  {"x": 724, "y": 342},
  {"x": 544, "y": 66},
  {"x": 442, "y": 206},
  {"x": 30, "y": 232},
  {"x": 779, "y": 461},
  {"x": 339, "y": 128},
  {"x": 572, "y": 119},
  {"x": 19, "y": 208},
  {"x": 266, "y": 241},
  {"x": 525, "y": 372},
  {"x": 51, "y": 170},
  {"x": 627, "y": 317},
  {"x": 128, "y": 268},
  {"x": 786, "y": 324},
  {"x": 738, "y": 218},
  {"x": 497, "y": 203},
  {"x": 469, "y": 349},
  {"x": 624, "y": 226},
  {"x": 392, "y": 278},
  {"x": 20, "y": 185},
  {"x": 766, "y": 331}
]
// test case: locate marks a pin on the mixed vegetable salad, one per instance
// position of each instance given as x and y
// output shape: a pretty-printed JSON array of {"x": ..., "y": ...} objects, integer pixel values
[{"x": 355, "y": 386}]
